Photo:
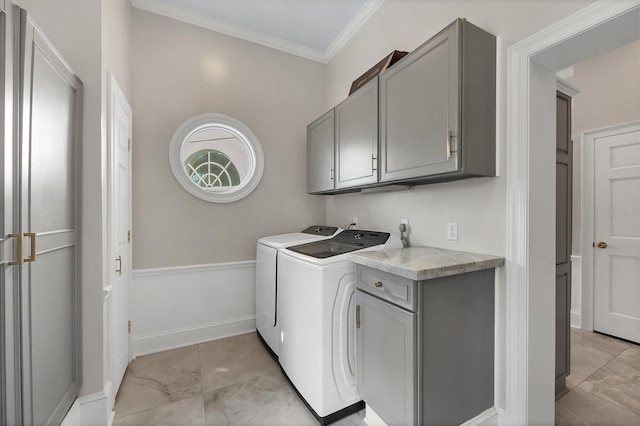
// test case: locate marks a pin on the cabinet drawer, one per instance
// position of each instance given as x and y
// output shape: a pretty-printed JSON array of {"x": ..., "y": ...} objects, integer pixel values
[{"x": 395, "y": 289}]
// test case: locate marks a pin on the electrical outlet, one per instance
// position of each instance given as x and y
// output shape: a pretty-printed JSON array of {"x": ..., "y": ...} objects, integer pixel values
[
  {"x": 405, "y": 221},
  {"x": 353, "y": 223},
  {"x": 452, "y": 231}
]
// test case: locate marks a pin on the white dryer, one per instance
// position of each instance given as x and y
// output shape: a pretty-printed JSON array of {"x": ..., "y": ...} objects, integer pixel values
[
  {"x": 316, "y": 315},
  {"x": 266, "y": 280}
]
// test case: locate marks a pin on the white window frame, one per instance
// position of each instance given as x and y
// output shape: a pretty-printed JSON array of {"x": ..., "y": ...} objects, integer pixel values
[{"x": 238, "y": 129}]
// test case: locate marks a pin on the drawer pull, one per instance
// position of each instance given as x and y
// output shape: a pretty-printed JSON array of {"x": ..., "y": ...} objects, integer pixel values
[{"x": 378, "y": 284}]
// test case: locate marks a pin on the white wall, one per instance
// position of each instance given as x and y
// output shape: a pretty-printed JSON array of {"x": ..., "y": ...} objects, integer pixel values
[
  {"x": 478, "y": 205},
  {"x": 609, "y": 94},
  {"x": 74, "y": 27},
  {"x": 181, "y": 306},
  {"x": 180, "y": 70},
  {"x": 116, "y": 26}
]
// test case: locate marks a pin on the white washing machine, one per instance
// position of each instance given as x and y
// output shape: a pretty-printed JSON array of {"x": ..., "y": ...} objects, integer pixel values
[
  {"x": 266, "y": 280},
  {"x": 316, "y": 315}
]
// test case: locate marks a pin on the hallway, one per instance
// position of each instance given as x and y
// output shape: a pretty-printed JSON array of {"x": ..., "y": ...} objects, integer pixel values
[{"x": 604, "y": 385}]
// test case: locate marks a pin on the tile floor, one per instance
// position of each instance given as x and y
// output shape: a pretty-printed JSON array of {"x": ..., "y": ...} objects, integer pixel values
[
  {"x": 234, "y": 381},
  {"x": 231, "y": 381},
  {"x": 604, "y": 384}
]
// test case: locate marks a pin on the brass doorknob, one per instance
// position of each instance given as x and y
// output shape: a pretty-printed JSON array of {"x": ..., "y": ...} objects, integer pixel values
[{"x": 602, "y": 245}]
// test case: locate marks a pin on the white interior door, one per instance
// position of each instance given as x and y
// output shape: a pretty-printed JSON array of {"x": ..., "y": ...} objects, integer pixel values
[
  {"x": 120, "y": 210},
  {"x": 617, "y": 234}
]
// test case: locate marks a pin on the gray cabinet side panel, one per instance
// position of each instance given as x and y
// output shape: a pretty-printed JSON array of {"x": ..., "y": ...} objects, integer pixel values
[
  {"x": 457, "y": 347},
  {"x": 320, "y": 139},
  {"x": 478, "y": 103}
]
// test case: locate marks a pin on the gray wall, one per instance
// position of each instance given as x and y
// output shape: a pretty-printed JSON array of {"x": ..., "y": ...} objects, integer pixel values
[
  {"x": 609, "y": 94},
  {"x": 180, "y": 70}
]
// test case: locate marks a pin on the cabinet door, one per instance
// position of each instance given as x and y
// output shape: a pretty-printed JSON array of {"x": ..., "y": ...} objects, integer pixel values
[
  {"x": 419, "y": 111},
  {"x": 386, "y": 360},
  {"x": 357, "y": 138},
  {"x": 320, "y": 138},
  {"x": 50, "y": 111}
]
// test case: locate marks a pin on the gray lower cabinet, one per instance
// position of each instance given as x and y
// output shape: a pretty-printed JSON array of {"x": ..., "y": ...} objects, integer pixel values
[
  {"x": 320, "y": 155},
  {"x": 425, "y": 349},
  {"x": 386, "y": 359},
  {"x": 357, "y": 138}
]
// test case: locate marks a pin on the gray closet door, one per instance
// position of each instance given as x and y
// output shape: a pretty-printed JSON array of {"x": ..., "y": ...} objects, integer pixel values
[
  {"x": 564, "y": 191},
  {"x": 50, "y": 108},
  {"x": 9, "y": 391}
]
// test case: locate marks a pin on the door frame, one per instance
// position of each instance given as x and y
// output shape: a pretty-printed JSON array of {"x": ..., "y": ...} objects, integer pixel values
[
  {"x": 530, "y": 297},
  {"x": 115, "y": 95},
  {"x": 589, "y": 139}
]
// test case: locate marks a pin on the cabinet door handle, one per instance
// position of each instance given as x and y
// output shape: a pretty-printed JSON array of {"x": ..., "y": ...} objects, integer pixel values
[
  {"x": 448, "y": 144},
  {"x": 378, "y": 284},
  {"x": 19, "y": 248},
  {"x": 357, "y": 316},
  {"x": 373, "y": 163},
  {"x": 331, "y": 174},
  {"x": 33, "y": 251},
  {"x": 119, "y": 260}
]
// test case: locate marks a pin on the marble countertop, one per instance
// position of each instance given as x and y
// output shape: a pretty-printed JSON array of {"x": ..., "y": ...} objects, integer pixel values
[{"x": 424, "y": 263}]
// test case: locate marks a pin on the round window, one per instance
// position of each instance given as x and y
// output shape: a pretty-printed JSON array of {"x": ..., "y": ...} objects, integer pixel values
[{"x": 216, "y": 158}]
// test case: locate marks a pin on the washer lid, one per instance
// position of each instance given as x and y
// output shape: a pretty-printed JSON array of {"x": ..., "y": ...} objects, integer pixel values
[{"x": 345, "y": 242}]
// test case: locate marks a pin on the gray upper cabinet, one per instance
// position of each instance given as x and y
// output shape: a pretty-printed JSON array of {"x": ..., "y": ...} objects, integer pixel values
[
  {"x": 429, "y": 118},
  {"x": 437, "y": 109},
  {"x": 356, "y": 121},
  {"x": 320, "y": 145},
  {"x": 418, "y": 109}
]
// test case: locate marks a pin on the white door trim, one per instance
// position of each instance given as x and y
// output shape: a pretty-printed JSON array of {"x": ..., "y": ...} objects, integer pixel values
[
  {"x": 588, "y": 218},
  {"x": 530, "y": 212},
  {"x": 115, "y": 95}
]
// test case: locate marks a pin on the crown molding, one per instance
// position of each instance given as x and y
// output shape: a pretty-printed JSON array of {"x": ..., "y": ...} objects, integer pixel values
[
  {"x": 370, "y": 7},
  {"x": 169, "y": 10}
]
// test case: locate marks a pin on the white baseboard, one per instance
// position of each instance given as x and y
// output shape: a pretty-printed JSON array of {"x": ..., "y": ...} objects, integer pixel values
[
  {"x": 371, "y": 418},
  {"x": 171, "y": 339},
  {"x": 576, "y": 291},
  {"x": 186, "y": 305},
  {"x": 487, "y": 417},
  {"x": 482, "y": 418},
  {"x": 89, "y": 410},
  {"x": 576, "y": 319}
]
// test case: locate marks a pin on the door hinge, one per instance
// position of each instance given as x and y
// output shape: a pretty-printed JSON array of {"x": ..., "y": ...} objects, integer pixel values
[
  {"x": 129, "y": 144},
  {"x": 129, "y": 236},
  {"x": 129, "y": 327},
  {"x": 357, "y": 316}
]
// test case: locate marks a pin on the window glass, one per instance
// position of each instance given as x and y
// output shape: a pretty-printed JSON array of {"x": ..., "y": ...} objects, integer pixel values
[{"x": 216, "y": 158}]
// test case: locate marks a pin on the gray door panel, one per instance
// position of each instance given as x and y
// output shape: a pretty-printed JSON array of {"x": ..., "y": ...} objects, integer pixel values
[{"x": 49, "y": 121}]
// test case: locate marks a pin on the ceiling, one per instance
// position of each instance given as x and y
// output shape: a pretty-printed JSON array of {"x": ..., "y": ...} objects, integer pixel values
[{"x": 313, "y": 29}]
